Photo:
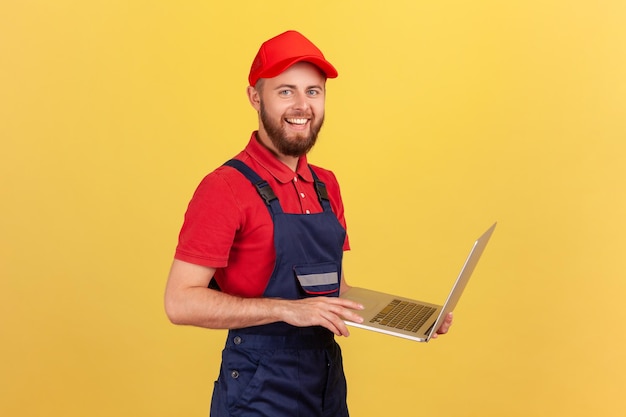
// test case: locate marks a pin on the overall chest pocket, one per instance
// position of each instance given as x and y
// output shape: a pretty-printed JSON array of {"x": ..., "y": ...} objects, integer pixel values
[{"x": 318, "y": 279}]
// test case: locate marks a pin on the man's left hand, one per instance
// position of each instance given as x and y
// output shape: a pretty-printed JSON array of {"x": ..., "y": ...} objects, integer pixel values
[{"x": 445, "y": 326}]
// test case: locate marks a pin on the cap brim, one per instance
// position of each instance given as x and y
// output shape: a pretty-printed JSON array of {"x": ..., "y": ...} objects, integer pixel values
[{"x": 325, "y": 66}]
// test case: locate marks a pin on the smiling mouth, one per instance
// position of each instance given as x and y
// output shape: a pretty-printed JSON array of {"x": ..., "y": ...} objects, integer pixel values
[{"x": 297, "y": 121}]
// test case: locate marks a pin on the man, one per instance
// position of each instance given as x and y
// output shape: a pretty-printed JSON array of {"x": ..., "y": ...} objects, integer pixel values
[{"x": 260, "y": 251}]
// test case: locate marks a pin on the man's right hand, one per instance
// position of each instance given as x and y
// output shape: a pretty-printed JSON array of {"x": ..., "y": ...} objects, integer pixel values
[{"x": 327, "y": 312}]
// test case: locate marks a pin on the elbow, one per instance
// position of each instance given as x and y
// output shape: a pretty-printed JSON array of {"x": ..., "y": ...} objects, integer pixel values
[{"x": 174, "y": 312}]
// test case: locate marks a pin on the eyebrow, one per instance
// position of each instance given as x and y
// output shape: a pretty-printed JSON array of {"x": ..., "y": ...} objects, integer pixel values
[{"x": 294, "y": 87}]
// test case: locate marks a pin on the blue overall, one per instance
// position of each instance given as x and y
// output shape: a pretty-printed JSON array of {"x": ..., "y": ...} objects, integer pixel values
[{"x": 279, "y": 370}]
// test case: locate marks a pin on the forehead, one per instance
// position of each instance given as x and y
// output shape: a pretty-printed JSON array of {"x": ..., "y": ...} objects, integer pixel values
[{"x": 299, "y": 74}]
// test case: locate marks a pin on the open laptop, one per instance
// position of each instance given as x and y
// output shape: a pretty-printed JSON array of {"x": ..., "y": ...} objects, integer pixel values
[{"x": 408, "y": 318}]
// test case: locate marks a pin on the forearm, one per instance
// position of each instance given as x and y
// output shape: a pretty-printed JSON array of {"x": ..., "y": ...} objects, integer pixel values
[
  {"x": 189, "y": 301},
  {"x": 212, "y": 309}
]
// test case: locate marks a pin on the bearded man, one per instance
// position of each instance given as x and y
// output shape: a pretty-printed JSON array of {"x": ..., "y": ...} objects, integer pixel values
[{"x": 260, "y": 251}]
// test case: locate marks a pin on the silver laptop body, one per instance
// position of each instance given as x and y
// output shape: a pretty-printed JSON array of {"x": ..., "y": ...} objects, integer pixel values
[{"x": 409, "y": 318}]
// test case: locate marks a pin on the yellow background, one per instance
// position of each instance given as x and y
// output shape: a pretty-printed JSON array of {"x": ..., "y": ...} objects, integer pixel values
[{"x": 446, "y": 116}]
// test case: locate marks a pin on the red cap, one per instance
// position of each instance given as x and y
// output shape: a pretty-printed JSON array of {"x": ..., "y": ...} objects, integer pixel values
[{"x": 284, "y": 50}]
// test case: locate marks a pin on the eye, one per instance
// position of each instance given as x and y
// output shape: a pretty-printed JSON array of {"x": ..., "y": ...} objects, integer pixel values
[
  {"x": 314, "y": 92},
  {"x": 284, "y": 93}
]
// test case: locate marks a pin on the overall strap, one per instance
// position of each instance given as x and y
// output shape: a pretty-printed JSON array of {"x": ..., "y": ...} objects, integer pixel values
[
  {"x": 322, "y": 192},
  {"x": 262, "y": 187}
]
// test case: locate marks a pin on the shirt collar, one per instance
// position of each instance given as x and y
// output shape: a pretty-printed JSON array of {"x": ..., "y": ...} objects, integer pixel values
[{"x": 276, "y": 168}]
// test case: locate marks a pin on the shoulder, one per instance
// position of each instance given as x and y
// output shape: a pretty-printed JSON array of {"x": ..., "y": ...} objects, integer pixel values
[
  {"x": 223, "y": 190},
  {"x": 224, "y": 179}
]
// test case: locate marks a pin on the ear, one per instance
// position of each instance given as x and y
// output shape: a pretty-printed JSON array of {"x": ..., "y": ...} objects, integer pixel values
[{"x": 254, "y": 97}]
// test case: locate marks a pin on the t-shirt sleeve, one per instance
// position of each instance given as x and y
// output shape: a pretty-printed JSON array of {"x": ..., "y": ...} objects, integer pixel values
[{"x": 210, "y": 223}]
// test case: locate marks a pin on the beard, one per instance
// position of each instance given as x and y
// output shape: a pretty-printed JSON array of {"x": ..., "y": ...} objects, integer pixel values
[{"x": 299, "y": 144}]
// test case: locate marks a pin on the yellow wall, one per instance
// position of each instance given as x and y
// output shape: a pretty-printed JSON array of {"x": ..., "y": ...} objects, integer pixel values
[{"x": 446, "y": 116}]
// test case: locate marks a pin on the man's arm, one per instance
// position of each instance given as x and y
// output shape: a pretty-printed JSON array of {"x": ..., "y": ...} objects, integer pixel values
[{"x": 188, "y": 300}]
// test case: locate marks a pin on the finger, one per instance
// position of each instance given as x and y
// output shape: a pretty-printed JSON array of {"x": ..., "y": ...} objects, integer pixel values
[
  {"x": 353, "y": 305},
  {"x": 335, "y": 325},
  {"x": 347, "y": 314},
  {"x": 342, "y": 327},
  {"x": 445, "y": 326},
  {"x": 443, "y": 329},
  {"x": 336, "y": 318}
]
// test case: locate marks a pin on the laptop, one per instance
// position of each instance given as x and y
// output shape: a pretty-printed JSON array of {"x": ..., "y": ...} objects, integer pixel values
[{"x": 408, "y": 318}]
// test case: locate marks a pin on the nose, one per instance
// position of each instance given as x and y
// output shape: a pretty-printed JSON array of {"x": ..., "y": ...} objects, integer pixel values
[{"x": 300, "y": 101}]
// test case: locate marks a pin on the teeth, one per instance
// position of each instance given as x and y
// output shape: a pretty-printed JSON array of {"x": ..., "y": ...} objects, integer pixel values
[{"x": 297, "y": 121}]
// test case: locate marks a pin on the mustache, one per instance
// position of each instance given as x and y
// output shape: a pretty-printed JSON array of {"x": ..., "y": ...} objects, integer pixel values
[{"x": 298, "y": 115}]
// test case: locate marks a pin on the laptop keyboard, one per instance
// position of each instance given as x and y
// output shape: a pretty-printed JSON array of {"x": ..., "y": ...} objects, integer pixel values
[{"x": 404, "y": 315}]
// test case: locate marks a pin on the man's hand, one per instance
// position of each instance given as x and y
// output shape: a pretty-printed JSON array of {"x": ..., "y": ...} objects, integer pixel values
[
  {"x": 445, "y": 326},
  {"x": 327, "y": 312}
]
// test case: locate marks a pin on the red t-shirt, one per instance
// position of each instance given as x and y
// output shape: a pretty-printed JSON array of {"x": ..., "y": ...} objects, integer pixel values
[{"x": 228, "y": 226}]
